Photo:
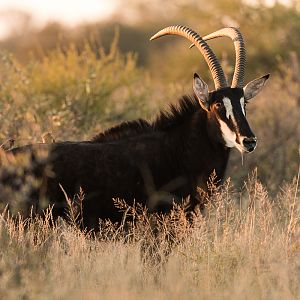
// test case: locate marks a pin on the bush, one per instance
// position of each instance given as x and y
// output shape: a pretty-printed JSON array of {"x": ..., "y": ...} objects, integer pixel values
[{"x": 70, "y": 93}]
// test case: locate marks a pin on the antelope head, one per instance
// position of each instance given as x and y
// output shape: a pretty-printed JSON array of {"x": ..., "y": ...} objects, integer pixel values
[{"x": 226, "y": 105}]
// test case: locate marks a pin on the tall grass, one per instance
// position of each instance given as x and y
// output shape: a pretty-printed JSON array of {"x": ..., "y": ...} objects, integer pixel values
[{"x": 246, "y": 246}]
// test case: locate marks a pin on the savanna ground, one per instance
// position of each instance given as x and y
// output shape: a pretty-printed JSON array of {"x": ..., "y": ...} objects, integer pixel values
[{"x": 247, "y": 243}]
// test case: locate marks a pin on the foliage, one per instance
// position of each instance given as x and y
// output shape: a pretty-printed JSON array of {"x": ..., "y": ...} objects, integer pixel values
[{"x": 70, "y": 93}]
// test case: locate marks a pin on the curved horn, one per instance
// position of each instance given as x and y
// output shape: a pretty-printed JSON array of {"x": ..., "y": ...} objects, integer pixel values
[
  {"x": 211, "y": 59},
  {"x": 240, "y": 52}
]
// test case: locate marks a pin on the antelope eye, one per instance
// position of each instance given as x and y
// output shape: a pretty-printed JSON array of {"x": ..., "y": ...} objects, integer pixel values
[{"x": 218, "y": 105}]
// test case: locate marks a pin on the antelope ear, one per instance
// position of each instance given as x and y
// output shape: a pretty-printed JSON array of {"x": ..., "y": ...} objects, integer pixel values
[
  {"x": 201, "y": 91},
  {"x": 255, "y": 86}
]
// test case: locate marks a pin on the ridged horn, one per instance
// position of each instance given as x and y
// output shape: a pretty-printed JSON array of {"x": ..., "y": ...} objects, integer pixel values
[
  {"x": 211, "y": 59},
  {"x": 240, "y": 52}
]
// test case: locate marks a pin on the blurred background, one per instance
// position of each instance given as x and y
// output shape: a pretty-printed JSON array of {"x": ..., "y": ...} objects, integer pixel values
[{"x": 75, "y": 68}]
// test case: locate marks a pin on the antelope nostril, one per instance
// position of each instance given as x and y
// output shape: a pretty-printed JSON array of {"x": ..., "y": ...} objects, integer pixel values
[{"x": 249, "y": 143}]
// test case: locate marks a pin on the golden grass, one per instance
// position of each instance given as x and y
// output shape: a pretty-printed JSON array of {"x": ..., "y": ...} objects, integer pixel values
[{"x": 245, "y": 246}]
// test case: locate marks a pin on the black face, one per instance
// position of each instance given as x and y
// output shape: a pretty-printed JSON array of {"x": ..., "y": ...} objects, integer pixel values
[{"x": 228, "y": 107}]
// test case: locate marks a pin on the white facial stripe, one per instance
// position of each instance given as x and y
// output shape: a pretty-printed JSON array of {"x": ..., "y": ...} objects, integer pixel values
[
  {"x": 228, "y": 107},
  {"x": 242, "y": 101},
  {"x": 229, "y": 111}
]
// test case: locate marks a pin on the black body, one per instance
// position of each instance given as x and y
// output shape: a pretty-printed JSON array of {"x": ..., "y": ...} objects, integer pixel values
[{"x": 152, "y": 163}]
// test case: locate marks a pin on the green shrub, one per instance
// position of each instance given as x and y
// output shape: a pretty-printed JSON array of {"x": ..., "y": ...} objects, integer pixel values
[{"x": 71, "y": 93}]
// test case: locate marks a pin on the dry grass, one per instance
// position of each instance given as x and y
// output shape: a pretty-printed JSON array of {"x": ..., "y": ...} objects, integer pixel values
[{"x": 246, "y": 246}]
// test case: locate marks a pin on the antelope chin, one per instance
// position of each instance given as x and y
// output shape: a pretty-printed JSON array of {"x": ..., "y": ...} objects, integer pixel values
[
  {"x": 240, "y": 148},
  {"x": 243, "y": 149}
]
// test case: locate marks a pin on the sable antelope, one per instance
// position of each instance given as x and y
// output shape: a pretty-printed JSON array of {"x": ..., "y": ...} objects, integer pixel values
[{"x": 156, "y": 163}]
